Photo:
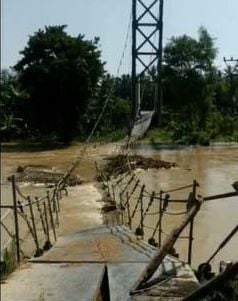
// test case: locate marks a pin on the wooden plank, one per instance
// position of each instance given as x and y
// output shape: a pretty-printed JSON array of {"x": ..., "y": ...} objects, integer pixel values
[
  {"x": 38, "y": 250},
  {"x": 166, "y": 247},
  {"x": 16, "y": 220},
  {"x": 190, "y": 244},
  {"x": 51, "y": 215},
  {"x": 224, "y": 242},
  {"x": 220, "y": 196}
]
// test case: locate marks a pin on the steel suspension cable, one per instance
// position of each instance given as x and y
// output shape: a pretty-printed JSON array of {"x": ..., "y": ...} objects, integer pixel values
[{"x": 113, "y": 83}]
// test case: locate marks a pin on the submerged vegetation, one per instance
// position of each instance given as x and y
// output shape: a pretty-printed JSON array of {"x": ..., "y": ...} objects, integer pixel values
[{"x": 58, "y": 88}]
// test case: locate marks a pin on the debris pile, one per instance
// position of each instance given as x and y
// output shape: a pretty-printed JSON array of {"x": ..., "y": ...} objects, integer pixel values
[
  {"x": 122, "y": 163},
  {"x": 42, "y": 174}
]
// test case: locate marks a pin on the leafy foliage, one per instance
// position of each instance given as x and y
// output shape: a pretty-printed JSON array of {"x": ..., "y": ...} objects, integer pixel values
[
  {"x": 60, "y": 73},
  {"x": 60, "y": 88},
  {"x": 193, "y": 91},
  {"x": 12, "y": 106}
]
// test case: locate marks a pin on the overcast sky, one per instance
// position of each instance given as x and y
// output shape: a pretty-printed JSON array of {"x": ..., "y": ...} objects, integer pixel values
[{"x": 108, "y": 19}]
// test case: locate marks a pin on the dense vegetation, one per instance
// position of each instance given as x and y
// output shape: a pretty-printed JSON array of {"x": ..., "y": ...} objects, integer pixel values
[
  {"x": 58, "y": 88},
  {"x": 198, "y": 97}
]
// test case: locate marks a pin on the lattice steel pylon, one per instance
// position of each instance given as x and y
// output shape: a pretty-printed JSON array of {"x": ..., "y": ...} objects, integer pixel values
[{"x": 147, "y": 22}]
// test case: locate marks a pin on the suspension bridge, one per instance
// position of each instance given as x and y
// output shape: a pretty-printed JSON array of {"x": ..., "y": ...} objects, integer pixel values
[{"x": 113, "y": 262}]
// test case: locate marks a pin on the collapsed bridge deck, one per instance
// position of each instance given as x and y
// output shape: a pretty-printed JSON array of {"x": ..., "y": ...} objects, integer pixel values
[{"x": 86, "y": 264}]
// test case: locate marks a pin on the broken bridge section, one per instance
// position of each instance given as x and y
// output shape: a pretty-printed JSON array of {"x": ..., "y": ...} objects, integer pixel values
[
  {"x": 98, "y": 264},
  {"x": 141, "y": 125}
]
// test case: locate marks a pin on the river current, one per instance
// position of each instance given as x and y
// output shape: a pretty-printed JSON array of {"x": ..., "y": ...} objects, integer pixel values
[{"x": 215, "y": 168}]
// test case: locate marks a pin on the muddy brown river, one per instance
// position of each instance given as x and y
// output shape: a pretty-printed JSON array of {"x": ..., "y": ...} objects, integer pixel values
[{"x": 215, "y": 168}]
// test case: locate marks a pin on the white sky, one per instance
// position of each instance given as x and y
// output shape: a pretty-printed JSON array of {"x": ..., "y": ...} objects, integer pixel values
[{"x": 108, "y": 19}]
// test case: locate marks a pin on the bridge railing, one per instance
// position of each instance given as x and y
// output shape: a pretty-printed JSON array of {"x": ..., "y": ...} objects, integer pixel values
[
  {"x": 30, "y": 222},
  {"x": 147, "y": 212}
]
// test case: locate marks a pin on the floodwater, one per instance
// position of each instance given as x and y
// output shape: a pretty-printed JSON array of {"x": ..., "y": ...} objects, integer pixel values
[
  {"x": 56, "y": 159},
  {"x": 81, "y": 203},
  {"x": 215, "y": 168}
]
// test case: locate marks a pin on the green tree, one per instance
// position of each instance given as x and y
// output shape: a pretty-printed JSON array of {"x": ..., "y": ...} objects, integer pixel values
[
  {"x": 189, "y": 79},
  {"x": 230, "y": 79},
  {"x": 12, "y": 106},
  {"x": 116, "y": 93},
  {"x": 60, "y": 73}
]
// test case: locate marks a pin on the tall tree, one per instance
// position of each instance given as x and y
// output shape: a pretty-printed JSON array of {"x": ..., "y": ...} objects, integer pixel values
[
  {"x": 116, "y": 93},
  {"x": 189, "y": 76},
  {"x": 60, "y": 73},
  {"x": 12, "y": 106}
]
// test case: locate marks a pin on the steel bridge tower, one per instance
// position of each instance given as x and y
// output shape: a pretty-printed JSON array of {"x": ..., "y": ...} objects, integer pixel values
[{"x": 147, "y": 26}]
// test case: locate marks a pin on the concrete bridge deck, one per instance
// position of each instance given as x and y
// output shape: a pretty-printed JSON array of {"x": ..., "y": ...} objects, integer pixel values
[{"x": 84, "y": 265}]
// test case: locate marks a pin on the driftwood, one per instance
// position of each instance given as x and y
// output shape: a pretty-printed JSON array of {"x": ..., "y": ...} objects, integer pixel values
[
  {"x": 166, "y": 247},
  {"x": 119, "y": 164}
]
